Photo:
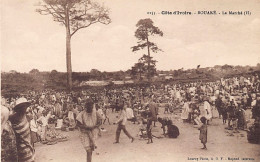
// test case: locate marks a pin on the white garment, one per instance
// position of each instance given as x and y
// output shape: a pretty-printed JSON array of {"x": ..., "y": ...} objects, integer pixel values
[
  {"x": 129, "y": 113},
  {"x": 185, "y": 111},
  {"x": 231, "y": 98},
  {"x": 33, "y": 126},
  {"x": 122, "y": 119},
  {"x": 207, "y": 107},
  {"x": 40, "y": 109},
  {"x": 71, "y": 115},
  {"x": 44, "y": 120},
  {"x": 4, "y": 117},
  {"x": 217, "y": 92},
  {"x": 101, "y": 113},
  {"x": 253, "y": 103},
  {"x": 59, "y": 123},
  {"x": 178, "y": 94}
]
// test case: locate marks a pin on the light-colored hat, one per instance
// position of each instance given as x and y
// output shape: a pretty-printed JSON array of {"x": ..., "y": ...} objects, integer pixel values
[{"x": 21, "y": 103}]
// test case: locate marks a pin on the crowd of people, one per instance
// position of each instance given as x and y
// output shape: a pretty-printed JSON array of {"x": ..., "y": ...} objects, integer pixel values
[
  {"x": 230, "y": 97},
  {"x": 49, "y": 110}
]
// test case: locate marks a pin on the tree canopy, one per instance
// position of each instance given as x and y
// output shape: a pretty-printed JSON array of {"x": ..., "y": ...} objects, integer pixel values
[
  {"x": 74, "y": 15},
  {"x": 146, "y": 29},
  {"x": 77, "y": 14}
]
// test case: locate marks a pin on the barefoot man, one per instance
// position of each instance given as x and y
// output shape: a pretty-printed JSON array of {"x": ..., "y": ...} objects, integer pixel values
[{"x": 88, "y": 122}]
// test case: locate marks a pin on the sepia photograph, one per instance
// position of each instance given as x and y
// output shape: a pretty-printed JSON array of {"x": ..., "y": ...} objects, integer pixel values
[{"x": 130, "y": 80}]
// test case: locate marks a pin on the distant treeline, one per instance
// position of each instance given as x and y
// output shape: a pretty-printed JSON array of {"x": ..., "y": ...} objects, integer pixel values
[{"x": 15, "y": 83}]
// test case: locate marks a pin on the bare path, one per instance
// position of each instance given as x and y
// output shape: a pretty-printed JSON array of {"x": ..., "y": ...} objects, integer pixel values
[{"x": 185, "y": 148}]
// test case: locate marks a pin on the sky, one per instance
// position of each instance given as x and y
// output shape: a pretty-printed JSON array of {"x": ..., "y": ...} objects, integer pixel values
[{"x": 33, "y": 41}]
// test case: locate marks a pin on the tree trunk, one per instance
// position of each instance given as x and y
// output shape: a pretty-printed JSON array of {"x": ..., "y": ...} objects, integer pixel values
[
  {"x": 68, "y": 59},
  {"x": 148, "y": 47},
  {"x": 68, "y": 52}
]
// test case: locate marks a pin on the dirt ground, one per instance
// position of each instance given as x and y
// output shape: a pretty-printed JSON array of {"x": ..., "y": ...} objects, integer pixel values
[{"x": 186, "y": 147}]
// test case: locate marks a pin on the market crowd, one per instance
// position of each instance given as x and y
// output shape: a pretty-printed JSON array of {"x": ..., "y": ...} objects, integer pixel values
[{"x": 37, "y": 115}]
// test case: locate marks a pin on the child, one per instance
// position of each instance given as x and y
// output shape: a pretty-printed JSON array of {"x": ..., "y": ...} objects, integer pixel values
[{"x": 203, "y": 132}]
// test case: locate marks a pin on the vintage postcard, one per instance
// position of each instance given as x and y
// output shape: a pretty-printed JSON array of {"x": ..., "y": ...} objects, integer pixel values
[{"x": 130, "y": 80}]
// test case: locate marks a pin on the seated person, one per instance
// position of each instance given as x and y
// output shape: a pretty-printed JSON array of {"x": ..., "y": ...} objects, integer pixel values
[{"x": 173, "y": 131}]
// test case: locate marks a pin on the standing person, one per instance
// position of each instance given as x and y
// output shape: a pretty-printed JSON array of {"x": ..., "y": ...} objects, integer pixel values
[
  {"x": 219, "y": 104},
  {"x": 166, "y": 109},
  {"x": 88, "y": 122},
  {"x": 44, "y": 124},
  {"x": 249, "y": 101},
  {"x": 33, "y": 128},
  {"x": 8, "y": 140},
  {"x": 22, "y": 131},
  {"x": 185, "y": 111},
  {"x": 241, "y": 114},
  {"x": 203, "y": 132},
  {"x": 72, "y": 122},
  {"x": 58, "y": 109},
  {"x": 121, "y": 125},
  {"x": 149, "y": 131},
  {"x": 231, "y": 113},
  {"x": 153, "y": 108},
  {"x": 106, "y": 114},
  {"x": 225, "y": 113},
  {"x": 100, "y": 111}
]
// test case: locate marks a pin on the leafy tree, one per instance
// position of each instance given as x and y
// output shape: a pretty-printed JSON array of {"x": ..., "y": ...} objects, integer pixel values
[
  {"x": 251, "y": 69},
  {"x": 149, "y": 65},
  {"x": 118, "y": 75},
  {"x": 227, "y": 67},
  {"x": 137, "y": 69},
  {"x": 95, "y": 74},
  {"x": 104, "y": 75},
  {"x": 13, "y": 72},
  {"x": 146, "y": 29},
  {"x": 54, "y": 71},
  {"x": 74, "y": 15},
  {"x": 53, "y": 74},
  {"x": 34, "y": 71},
  {"x": 145, "y": 65}
]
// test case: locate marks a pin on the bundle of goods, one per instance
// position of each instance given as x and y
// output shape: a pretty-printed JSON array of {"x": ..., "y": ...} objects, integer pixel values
[{"x": 54, "y": 137}]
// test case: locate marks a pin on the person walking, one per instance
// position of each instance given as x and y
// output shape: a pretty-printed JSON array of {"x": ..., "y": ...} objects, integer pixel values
[
  {"x": 121, "y": 125},
  {"x": 88, "y": 122}
]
